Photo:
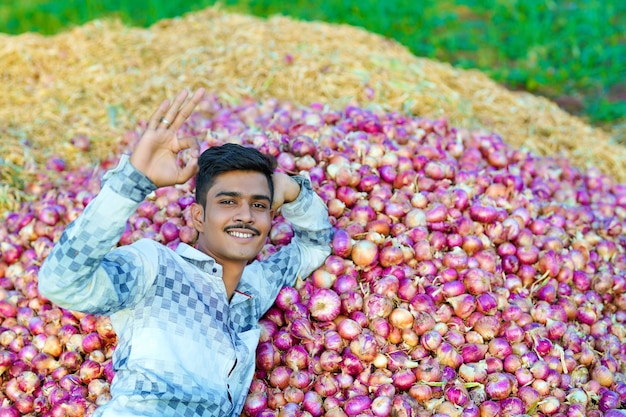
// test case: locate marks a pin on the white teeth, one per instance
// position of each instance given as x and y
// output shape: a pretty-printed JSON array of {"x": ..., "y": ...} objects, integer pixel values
[{"x": 241, "y": 235}]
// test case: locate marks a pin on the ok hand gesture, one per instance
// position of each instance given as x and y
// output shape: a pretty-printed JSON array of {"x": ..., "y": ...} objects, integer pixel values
[{"x": 157, "y": 152}]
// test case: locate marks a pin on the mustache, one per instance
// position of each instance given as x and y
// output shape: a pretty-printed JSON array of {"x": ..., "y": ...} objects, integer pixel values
[{"x": 242, "y": 226}]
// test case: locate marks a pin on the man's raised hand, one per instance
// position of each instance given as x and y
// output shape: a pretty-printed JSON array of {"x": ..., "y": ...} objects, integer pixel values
[{"x": 157, "y": 152}]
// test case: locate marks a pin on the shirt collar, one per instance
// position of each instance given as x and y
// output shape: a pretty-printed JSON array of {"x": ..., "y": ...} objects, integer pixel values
[
  {"x": 199, "y": 259},
  {"x": 208, "y": 265}
]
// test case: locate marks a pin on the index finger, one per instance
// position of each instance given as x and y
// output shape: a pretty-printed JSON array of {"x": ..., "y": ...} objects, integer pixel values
[
  {"x": 189, "y": 143},
  {"x": 153, "y": 122},
  {"x": 185, "y": 111}
]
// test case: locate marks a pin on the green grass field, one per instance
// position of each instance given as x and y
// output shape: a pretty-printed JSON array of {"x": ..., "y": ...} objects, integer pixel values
[{"x": 572, "y": 51}]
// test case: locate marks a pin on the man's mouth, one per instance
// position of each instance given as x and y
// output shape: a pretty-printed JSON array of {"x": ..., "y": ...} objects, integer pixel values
[
  {"x": 240, "y": 234},
  {"x": 242, "y": 231}
]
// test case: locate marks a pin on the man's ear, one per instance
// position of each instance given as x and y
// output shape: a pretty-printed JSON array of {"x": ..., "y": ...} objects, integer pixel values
[{"x": 197, "y": 216}]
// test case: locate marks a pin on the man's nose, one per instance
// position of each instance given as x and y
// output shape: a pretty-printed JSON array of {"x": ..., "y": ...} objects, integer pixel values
[{"x": 244, "y": 214}]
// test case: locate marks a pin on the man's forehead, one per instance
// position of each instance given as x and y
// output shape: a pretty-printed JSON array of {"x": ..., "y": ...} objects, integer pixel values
[{"x": 241, "y": 183}]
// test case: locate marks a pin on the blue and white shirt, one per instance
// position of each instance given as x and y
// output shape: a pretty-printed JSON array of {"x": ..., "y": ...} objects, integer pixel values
[{"x": 183, "y": 348}]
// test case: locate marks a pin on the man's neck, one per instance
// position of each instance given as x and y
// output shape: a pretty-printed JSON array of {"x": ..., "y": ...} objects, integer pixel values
[{"x": 231, "y": 275}]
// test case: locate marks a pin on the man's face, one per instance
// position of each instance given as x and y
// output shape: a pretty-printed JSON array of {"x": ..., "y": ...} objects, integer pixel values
[{"x": 237, "y": 218}]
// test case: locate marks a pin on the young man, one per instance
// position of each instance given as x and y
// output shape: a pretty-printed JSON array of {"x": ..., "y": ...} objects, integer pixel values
[{"x": 186, "y": 320}]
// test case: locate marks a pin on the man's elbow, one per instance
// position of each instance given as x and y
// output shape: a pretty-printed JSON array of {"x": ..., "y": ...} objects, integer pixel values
[
  {"x": 49, "y": 291},
  {"x": 323, "y": 252},
  {"x": 50, "y": 285}
]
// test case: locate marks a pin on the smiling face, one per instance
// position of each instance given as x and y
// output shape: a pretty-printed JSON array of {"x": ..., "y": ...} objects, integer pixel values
[{"x": 237, "y": 218}]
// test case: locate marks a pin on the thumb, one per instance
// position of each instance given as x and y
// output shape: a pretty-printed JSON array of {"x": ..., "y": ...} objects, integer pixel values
[{"x": 188, "y": 170}]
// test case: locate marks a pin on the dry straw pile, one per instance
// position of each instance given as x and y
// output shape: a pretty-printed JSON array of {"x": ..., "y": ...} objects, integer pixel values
[{"x": 101, "y": 78}]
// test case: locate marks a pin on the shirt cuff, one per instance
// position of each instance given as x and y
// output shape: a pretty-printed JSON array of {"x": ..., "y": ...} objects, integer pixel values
[
  {"x": 300, "y": 205},
  {"x": 126, "y": 180}
]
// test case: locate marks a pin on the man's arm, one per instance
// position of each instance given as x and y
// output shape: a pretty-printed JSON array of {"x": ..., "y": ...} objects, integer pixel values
[
  {"x": 308, "y": 216},
  {"x": 81, "y": 272},
  {"x": 310, "y": 246}
]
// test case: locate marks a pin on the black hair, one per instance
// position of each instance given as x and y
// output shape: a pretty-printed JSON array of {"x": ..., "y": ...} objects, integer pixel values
[{"x": 218, "y": 160}]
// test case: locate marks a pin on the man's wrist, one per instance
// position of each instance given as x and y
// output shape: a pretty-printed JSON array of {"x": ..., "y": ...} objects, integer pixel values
[
  {"x": 127, "y": 180},
  {"x": 293, "y": 189}
]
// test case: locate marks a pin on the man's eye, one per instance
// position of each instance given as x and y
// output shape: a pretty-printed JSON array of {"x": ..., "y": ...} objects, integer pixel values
[
  {"x": 260, "y": 206},
  {"x": 227, "y": 202}
]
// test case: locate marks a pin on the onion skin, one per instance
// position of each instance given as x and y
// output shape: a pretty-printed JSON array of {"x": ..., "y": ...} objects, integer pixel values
[
  {"x": 324, "y": 304},
  {"x": 357, "y": 404},
  {"x": 255, "y": 402},
  {"x": 364, "y": 253}
]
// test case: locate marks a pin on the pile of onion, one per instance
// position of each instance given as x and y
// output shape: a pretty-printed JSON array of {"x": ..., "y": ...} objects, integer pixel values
[{"x": 467, "y": 278}]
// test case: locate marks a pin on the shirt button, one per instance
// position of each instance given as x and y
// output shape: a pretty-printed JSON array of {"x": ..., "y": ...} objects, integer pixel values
[{"x": 214, "y": 270}]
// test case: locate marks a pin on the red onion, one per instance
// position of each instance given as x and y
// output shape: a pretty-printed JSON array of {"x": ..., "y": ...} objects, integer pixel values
[
  {"x": 324, "y": 304},
  {"x": 255, "y": 402},
  {"x": 348, "y": 328},
  {"x": 603, "y": 375},
  {"x": 381, "y": 406},
  {"x": 330, "y": 360},
  {"x": 463, "y": 305},
  {"x": 472, "y": 352},
  {"x": 364, "y": 346},
  {"x": 296, "y": 357},
  {"x": 313, "y": 403},
  {"x": 457, "y": 394},
  {"x": 403, "y": 379},
  {"x": 401, "y": 318},
  {"x": 293, "y": 396},
  {"x": 169, "y": 231},
  {"x": 286, "y": 297},
  {"x": 351, "y": 301},
  {"x": 90, "y": 370},
  {"x": 473, "y": 372},
  {"x": 477, "y": 281},
  {"x": 7, "y": 309},
  {"x": 431, "y": 340},
  {"x": 295, "y": 311},
  {"x": 351, "y": 365},
  {"x": 345, "y": 283},
  {"x": 484, "y": 214},
  {"x": 512, "y": 407},
  {"x": 91, "y": 342},
  {"x": 9, "y": 411},
  {"x": 267, "y": 356},
  {"x": 326, "y": 385},
  {"x": 357, "y": 404},
  {"x": 499, "y": 386},
  {"x": 281, "y": 233},
  {"x": 28, "y": 381},
  {"x": 364, "y": 253},
  {"x": 403, "y": 405},
  {"x": 549, "y": 405},
  {"x": 342, "y": 243},
  {"x": 376, "y": 305},
  {"x": 488, "y": 327}
]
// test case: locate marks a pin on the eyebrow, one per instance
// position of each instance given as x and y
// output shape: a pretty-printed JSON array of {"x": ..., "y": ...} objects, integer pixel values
[{"x": 239, "y": 195}]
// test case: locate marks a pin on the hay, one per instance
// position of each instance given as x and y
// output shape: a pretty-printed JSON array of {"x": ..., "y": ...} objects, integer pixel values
[{"x": 101, "y": 78}]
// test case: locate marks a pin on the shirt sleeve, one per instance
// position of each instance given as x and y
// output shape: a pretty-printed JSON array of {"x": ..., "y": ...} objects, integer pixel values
[
  {"x": 83, "y": 271},
  {"x": 309, "y": 247}
]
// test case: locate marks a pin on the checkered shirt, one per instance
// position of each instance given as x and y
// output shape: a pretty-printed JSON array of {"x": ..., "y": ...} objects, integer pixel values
[{"x": 183, "y": 349}]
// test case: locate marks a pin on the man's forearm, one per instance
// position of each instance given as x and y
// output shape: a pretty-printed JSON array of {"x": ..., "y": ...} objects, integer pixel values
[
  {"x": 73, "y": 261},
  {"x": 308, "y": 216}
]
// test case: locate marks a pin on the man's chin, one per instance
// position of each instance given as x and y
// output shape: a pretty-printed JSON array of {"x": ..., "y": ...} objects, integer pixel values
[{"x": 247, "y": 256}]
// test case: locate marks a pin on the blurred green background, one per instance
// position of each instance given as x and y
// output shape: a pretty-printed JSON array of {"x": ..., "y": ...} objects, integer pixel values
[{"x": 573, "y": 52}]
